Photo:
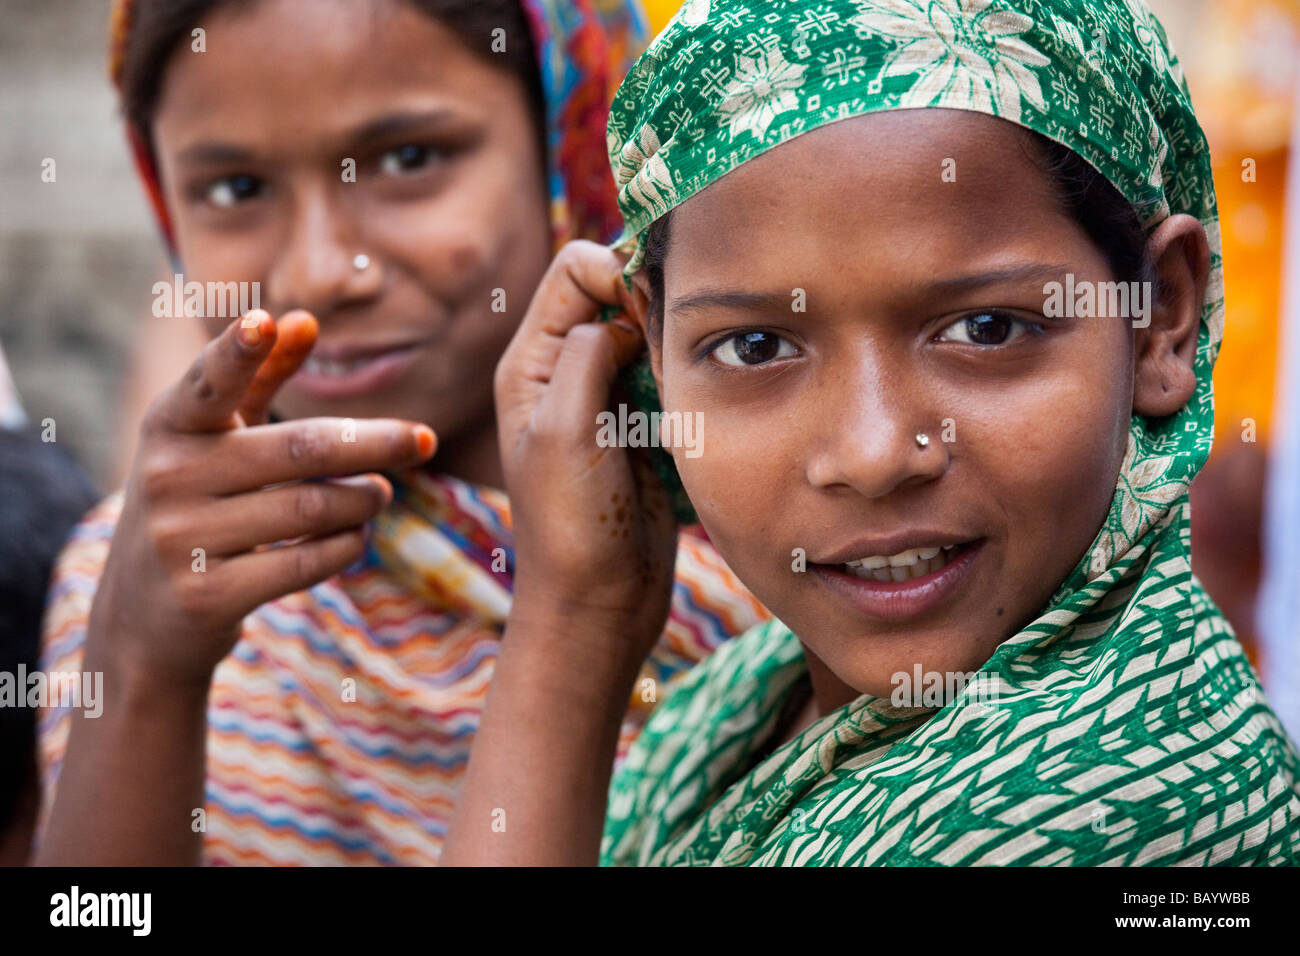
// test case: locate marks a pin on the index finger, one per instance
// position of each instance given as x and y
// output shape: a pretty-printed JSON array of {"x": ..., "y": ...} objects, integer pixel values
[
  {"x": 209, "y": 395},
  {"x": 584, "y": 278},
  {"x": 295, "y": 338}
]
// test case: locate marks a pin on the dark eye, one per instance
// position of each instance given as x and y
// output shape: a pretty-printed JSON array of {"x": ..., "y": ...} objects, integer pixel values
[
  {"x": 987, "y": 328},
  {"x": 234, "y": 189},
  {"x": 752, "y": 348},
  {"x": 405, "y": 159}
]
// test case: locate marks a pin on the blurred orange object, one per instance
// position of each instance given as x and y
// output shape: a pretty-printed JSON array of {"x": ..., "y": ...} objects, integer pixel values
[{"x": 660, "y": 12}]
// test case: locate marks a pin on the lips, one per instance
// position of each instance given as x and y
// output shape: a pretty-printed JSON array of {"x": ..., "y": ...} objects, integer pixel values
[
  {"x": 335, "y": 372},
  {"x": 903, "y": 584}
]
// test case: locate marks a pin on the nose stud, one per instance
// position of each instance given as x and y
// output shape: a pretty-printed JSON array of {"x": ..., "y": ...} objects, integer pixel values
[
  {"x": 922, "y": 440},
  {"x": 361, "y": 262}
]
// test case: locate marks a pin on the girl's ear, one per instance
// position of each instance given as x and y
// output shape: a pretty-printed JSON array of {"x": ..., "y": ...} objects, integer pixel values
[
  {"x": 1164, "y": 376},
  {"x": 641, "y": 314}
]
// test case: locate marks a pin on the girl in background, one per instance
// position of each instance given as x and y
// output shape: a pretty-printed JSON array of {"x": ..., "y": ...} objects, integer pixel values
[{"x": 402, "y": 170}]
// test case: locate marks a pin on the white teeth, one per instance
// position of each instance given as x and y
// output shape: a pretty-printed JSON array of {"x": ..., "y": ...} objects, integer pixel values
[
  {"x": 328, "y": 368},
  {"x": 913, "y": 563}
]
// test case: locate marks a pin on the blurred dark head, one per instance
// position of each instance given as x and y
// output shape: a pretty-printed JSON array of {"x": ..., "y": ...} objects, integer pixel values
[{"x": 42, "y": 496}]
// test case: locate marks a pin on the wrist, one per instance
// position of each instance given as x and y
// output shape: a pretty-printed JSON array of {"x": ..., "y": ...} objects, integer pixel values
[
  {"x": 137, "y": 682},
  {"x": 586, "y": 650}
]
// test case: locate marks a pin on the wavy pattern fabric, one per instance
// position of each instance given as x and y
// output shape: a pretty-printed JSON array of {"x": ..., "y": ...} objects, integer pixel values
[
  {"x": 1124, "y": 725},
  {"x": 341, "y": 725}
]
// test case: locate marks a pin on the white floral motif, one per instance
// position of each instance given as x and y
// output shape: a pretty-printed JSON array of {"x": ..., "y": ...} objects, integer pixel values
[
  {"x": 1147, "y": 32},
  {"x": 696, "y": 12},
  {"x": 762, "y": 88},
  {"x": 641, "y": 173},
  {"x": 1156, "y": 179},
  {"x": 960, "y": 51}
]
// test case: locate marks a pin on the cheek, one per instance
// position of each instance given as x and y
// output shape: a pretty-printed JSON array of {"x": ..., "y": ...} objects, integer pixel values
[
  {"x": 470, "y": 241},
  {"x": 1049, "y": 450},
  {"x": 742, "y": 471}
]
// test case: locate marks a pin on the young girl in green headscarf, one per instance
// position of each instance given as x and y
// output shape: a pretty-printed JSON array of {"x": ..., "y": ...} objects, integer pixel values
[{"x": 943, "y": 282}]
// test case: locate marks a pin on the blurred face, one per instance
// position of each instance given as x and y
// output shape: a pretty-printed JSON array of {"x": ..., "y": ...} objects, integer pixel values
[
  {"x": 448, "y": 204},
  {"x": 830, "y": 300}
]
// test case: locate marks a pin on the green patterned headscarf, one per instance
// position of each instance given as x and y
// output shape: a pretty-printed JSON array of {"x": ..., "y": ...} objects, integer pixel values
[{"x": 1128, "y": 699}]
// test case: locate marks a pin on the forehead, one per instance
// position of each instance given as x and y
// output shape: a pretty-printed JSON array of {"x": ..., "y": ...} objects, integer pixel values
[
  {"x": 299, "y": 70},
  {"x": 922, "y": 185}
]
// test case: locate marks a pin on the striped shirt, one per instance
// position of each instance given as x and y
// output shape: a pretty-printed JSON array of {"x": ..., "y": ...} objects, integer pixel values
[{"x": 340, "y": 726}]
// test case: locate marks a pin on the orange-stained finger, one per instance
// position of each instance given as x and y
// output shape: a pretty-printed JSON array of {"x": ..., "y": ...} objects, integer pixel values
[
  {"x": 296, "y": 337},
  {"x": 207, "y": 398},
  {"x": 310, "y": 448}
]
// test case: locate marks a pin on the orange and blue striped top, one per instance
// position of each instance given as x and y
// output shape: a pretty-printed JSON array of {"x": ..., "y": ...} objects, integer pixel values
[{"x": 340, "y": 726}]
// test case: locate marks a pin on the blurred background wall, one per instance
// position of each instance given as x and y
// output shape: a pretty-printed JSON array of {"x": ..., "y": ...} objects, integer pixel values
[{"x": 78, "y": 255}]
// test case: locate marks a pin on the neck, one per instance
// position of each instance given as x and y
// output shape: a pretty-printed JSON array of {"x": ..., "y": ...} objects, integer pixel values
[
  {"x": 829, "y": 692},
  {"x": 473, "y": 456}
]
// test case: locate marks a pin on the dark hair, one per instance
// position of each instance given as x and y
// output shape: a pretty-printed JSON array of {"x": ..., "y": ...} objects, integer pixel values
[
  {"x": 1111, "y": 222},
  {"x": 42, "y": 495},
  {"x": 158, "y": 26}
]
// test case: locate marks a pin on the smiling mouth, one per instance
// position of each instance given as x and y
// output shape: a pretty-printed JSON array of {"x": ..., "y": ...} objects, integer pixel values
[
  {"x": 343, "y": 367},
  {"x": 904, "y": 566},
  {"x": 903, "y": 586},
  {"x": 342, "y": 375}
]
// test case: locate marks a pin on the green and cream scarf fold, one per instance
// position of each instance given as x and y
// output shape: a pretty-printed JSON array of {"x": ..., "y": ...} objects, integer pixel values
[{"x": 1127, "y": 726}]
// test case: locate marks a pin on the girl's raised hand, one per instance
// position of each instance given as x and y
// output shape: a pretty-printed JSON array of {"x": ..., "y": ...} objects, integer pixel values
[
  {"x": 212, "y": 487},
  {"x": 594, "y": 533}
]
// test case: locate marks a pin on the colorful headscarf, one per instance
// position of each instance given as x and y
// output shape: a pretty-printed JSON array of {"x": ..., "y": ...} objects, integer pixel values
[
  {"x": 582, "y": 46},
  {"x": 1127, "y": 725}
]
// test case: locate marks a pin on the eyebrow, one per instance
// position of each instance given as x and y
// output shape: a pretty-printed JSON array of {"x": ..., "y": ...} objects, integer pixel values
[
  {"x": 747, "y": 301},
  {"x": 978, "y": 280},
  {"x": 775, "y": 301},
  {"x": 396, "y": 124},
  {"x": 390, "y": 125}
]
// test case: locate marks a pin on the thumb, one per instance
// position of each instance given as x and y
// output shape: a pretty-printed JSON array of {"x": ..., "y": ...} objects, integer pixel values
[{"x": 297, "y": 333}]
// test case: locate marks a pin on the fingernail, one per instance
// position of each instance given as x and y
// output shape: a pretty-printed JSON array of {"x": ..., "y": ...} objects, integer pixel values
[
  {"x": 424, "y": 440},
  {"x": 386, "y": 487},
  {"x": 250, "y": 329}
]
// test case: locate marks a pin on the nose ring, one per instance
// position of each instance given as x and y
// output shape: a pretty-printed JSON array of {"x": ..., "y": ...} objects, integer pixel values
[
  {"x": 922, "y": 440},
  {"x": 361, "y": 262}
]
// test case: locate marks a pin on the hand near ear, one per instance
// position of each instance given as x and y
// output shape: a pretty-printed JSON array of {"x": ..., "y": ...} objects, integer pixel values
[
  {"x": 1164, "y": 375},
  {"x": 593, "y": 526}
]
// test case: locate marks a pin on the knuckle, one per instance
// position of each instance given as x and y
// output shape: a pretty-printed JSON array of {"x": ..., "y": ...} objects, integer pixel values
[
  {"x": 305, "y": 563},
  {"x": 588, "y": 338},
  {"x": 159, "y": 475},
  {"x": 306, "y": 446},
  {"x": 164, "y": 536},
  {"x": 192, "y": 594},
  {"x": 200, "y": 384},
  {"x": 546, "y": 432},
  {"x": 311, "y": 504},
  {"x": 572, "y": 253}
]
